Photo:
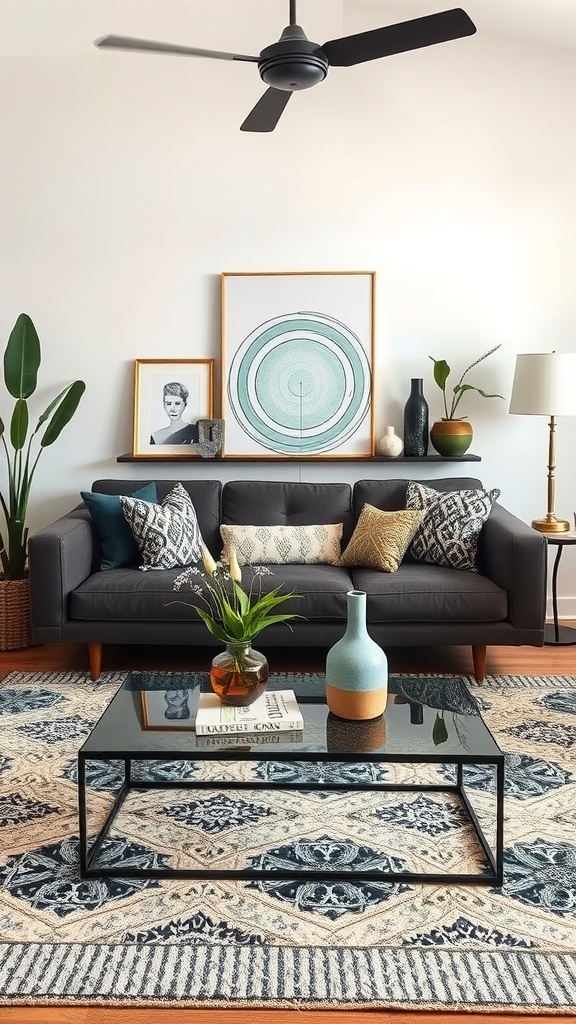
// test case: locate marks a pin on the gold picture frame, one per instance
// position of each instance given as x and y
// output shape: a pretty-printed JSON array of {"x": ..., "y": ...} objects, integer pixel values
[
  {"x": 180, "y": 391},
  {"x": 298, "y": 364}
]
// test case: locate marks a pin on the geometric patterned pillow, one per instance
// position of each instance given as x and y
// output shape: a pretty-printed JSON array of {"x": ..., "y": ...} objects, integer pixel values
[
  {"x": 168, "y": 535},
  {"x": 448, "y": 534},
  {"x": 380, "y": 539},
  {"x": 283, "y": 545}
]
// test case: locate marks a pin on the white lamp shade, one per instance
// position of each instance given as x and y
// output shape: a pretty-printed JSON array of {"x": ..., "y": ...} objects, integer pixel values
[{"x": 544, "y": 384}]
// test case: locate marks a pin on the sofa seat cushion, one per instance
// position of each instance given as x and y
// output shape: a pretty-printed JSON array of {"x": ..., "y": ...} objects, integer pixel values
[
  {"x": 430, "y": 593},
  {"x": 130, "y": 595}
]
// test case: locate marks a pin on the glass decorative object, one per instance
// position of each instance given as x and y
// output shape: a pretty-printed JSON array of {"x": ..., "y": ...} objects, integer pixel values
[
  {"x": 416, "y": 420},
  {"x": 239, "y": 674}
]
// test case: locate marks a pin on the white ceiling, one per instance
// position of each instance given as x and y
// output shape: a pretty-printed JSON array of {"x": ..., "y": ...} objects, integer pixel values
[{"x": 69, "y": 26}]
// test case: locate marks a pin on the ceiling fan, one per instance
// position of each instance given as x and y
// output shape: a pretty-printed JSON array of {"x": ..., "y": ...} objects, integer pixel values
[{"x": 294, "y": 62}]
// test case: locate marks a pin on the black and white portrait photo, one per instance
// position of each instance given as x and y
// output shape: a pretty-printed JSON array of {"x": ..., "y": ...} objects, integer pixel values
[{"x": 171, "y": 395}]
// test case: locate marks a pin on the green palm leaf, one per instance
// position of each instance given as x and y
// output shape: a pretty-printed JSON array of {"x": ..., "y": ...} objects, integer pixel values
[
  {"x": 22, "y": 358},
  {"x": 21, "y": 364}
]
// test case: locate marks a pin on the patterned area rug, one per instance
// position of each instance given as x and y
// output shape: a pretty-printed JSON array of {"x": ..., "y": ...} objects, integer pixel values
[{"x": 293, "y": 943}]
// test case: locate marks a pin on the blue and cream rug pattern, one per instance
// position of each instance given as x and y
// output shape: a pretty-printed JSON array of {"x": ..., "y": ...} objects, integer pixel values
[{"x": 346, "y": 944}]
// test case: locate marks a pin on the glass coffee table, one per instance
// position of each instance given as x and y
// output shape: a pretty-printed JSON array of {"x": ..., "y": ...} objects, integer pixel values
[{"x": 428, "y": 721}]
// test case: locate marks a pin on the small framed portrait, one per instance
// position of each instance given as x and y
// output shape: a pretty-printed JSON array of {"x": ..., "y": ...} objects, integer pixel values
[
  {"x": 170, "y": 396},
  {"x": 169, "y": 709}
]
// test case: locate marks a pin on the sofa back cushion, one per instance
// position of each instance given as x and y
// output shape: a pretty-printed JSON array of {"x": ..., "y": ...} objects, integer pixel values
[
  {"x": 390, "y": 495},
  {"x": 205, "y": 495},
  {"x": 287, "y": 503}
]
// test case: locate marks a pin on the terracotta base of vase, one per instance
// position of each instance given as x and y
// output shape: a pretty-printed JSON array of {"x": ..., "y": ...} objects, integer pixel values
[{"x": 356, "y": 705}]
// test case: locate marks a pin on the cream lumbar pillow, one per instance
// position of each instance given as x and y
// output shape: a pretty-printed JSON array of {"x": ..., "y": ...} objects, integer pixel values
[
  {"x": 281, "y": 545},
  {"x": 380, "y": 539}
]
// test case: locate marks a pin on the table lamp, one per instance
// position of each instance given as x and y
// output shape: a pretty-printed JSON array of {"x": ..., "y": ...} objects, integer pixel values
[{"x": 545, "y": 385}]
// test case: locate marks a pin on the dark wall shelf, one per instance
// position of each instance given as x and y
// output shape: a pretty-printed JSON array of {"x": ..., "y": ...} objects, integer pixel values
[{"x": 294, "y": 458}]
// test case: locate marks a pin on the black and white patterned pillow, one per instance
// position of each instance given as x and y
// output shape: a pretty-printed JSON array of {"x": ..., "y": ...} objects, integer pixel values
[
  {"x": 448, "y": 534},
  {"x": 168, "y": 535}
]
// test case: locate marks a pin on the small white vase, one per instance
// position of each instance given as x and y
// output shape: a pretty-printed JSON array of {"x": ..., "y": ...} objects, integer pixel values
[{"x": 390, "y": 444}]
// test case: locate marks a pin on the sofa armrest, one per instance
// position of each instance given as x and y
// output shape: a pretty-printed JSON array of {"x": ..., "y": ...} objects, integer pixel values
[
  {"x": 513, "y": 556},
  {"x": 60, "y": 558}
]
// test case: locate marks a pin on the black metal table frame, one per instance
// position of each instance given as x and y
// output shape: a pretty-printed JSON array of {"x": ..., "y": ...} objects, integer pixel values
[
  {"x": 556, "y": 635},
  {"x": 89, "y": 854}
]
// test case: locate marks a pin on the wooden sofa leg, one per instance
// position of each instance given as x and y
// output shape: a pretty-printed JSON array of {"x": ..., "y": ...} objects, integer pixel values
[
  {"x": 479, "y": 659},
  {"x": 95, "y": 658}
]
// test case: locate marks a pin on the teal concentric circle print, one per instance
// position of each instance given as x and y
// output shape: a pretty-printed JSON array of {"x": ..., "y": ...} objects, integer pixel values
[{"x": 300, "y": 384}]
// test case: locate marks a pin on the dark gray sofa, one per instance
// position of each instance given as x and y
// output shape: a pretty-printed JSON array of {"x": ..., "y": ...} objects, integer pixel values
[{"x": 419, "y": 605}]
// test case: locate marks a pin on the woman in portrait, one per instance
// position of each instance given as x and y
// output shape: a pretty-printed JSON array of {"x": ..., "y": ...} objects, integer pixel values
[{"x": 175, "y": 398}]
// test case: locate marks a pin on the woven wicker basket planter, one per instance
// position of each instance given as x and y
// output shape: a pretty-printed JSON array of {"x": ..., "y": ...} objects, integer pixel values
[{"x": 15, "y": 627}]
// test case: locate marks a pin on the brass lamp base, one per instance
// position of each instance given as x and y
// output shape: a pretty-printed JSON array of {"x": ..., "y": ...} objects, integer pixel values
[{"x": 549, "y": 524}]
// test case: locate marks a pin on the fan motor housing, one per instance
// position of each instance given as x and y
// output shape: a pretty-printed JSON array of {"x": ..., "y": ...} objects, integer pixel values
[{"x": 293, "y": 62}]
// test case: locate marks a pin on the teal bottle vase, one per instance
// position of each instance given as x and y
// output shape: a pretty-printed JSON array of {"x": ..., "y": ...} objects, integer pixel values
[{"x": 356, "y": 668}]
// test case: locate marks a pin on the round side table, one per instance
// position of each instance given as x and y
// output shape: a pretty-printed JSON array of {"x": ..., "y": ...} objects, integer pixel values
[{"x": 555, "y": 635}]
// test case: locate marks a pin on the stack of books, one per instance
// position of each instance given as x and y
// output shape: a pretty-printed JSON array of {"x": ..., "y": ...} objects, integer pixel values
[{"x": 274, "y": 718}]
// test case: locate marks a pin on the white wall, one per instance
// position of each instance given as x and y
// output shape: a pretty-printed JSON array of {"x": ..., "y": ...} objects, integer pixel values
[{"x": 127, "y": 188}]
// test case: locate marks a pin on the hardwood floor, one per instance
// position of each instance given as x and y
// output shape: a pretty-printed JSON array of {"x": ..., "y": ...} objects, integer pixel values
[{"x": 500, "y": 660}]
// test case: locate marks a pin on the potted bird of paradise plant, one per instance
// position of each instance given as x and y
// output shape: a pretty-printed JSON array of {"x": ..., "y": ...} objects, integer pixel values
[
  {"x": 235, "y": 616},
  {"x": 22, "y": 449}
]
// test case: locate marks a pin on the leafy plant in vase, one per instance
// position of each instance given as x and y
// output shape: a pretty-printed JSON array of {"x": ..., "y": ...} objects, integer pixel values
[
  {"x": 452, "y": 435},
  {"x": 22, "y": 451},
  {"x": 235, "y": 617}
]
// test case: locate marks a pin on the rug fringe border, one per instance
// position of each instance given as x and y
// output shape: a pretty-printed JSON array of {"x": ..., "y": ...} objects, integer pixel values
[{"x": 352, "y": 977}]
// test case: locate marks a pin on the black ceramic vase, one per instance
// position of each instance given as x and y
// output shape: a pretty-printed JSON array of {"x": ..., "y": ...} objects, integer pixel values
[{"x": 416, "y": 421}]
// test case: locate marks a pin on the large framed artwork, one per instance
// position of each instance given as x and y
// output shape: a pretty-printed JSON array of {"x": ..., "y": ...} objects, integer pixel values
[
  {"x": 297, "y": 364},
  {"x": 170, "y": 396}
]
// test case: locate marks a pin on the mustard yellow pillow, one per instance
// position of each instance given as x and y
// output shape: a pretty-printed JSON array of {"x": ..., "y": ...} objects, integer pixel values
[{"x": 381, "y": 539}]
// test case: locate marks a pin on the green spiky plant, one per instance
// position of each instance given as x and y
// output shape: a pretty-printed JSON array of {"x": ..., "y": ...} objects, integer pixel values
[
  {"x": 23, "y": 449},
  {"x": 442, "y": 372}
]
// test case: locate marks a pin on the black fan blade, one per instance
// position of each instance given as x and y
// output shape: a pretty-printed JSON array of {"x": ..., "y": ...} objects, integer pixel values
[
  {"x": 265, "y": 115},
  {"x": 408, "y": 35},
  {"x": 149, "y": 46}
]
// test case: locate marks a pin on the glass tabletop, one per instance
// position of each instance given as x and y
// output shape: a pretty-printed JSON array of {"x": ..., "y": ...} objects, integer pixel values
[{"x": 434, "y": 718}]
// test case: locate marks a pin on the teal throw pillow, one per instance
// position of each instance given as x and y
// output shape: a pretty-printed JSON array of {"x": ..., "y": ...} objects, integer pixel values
[{"x": 119, "y": 548}]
